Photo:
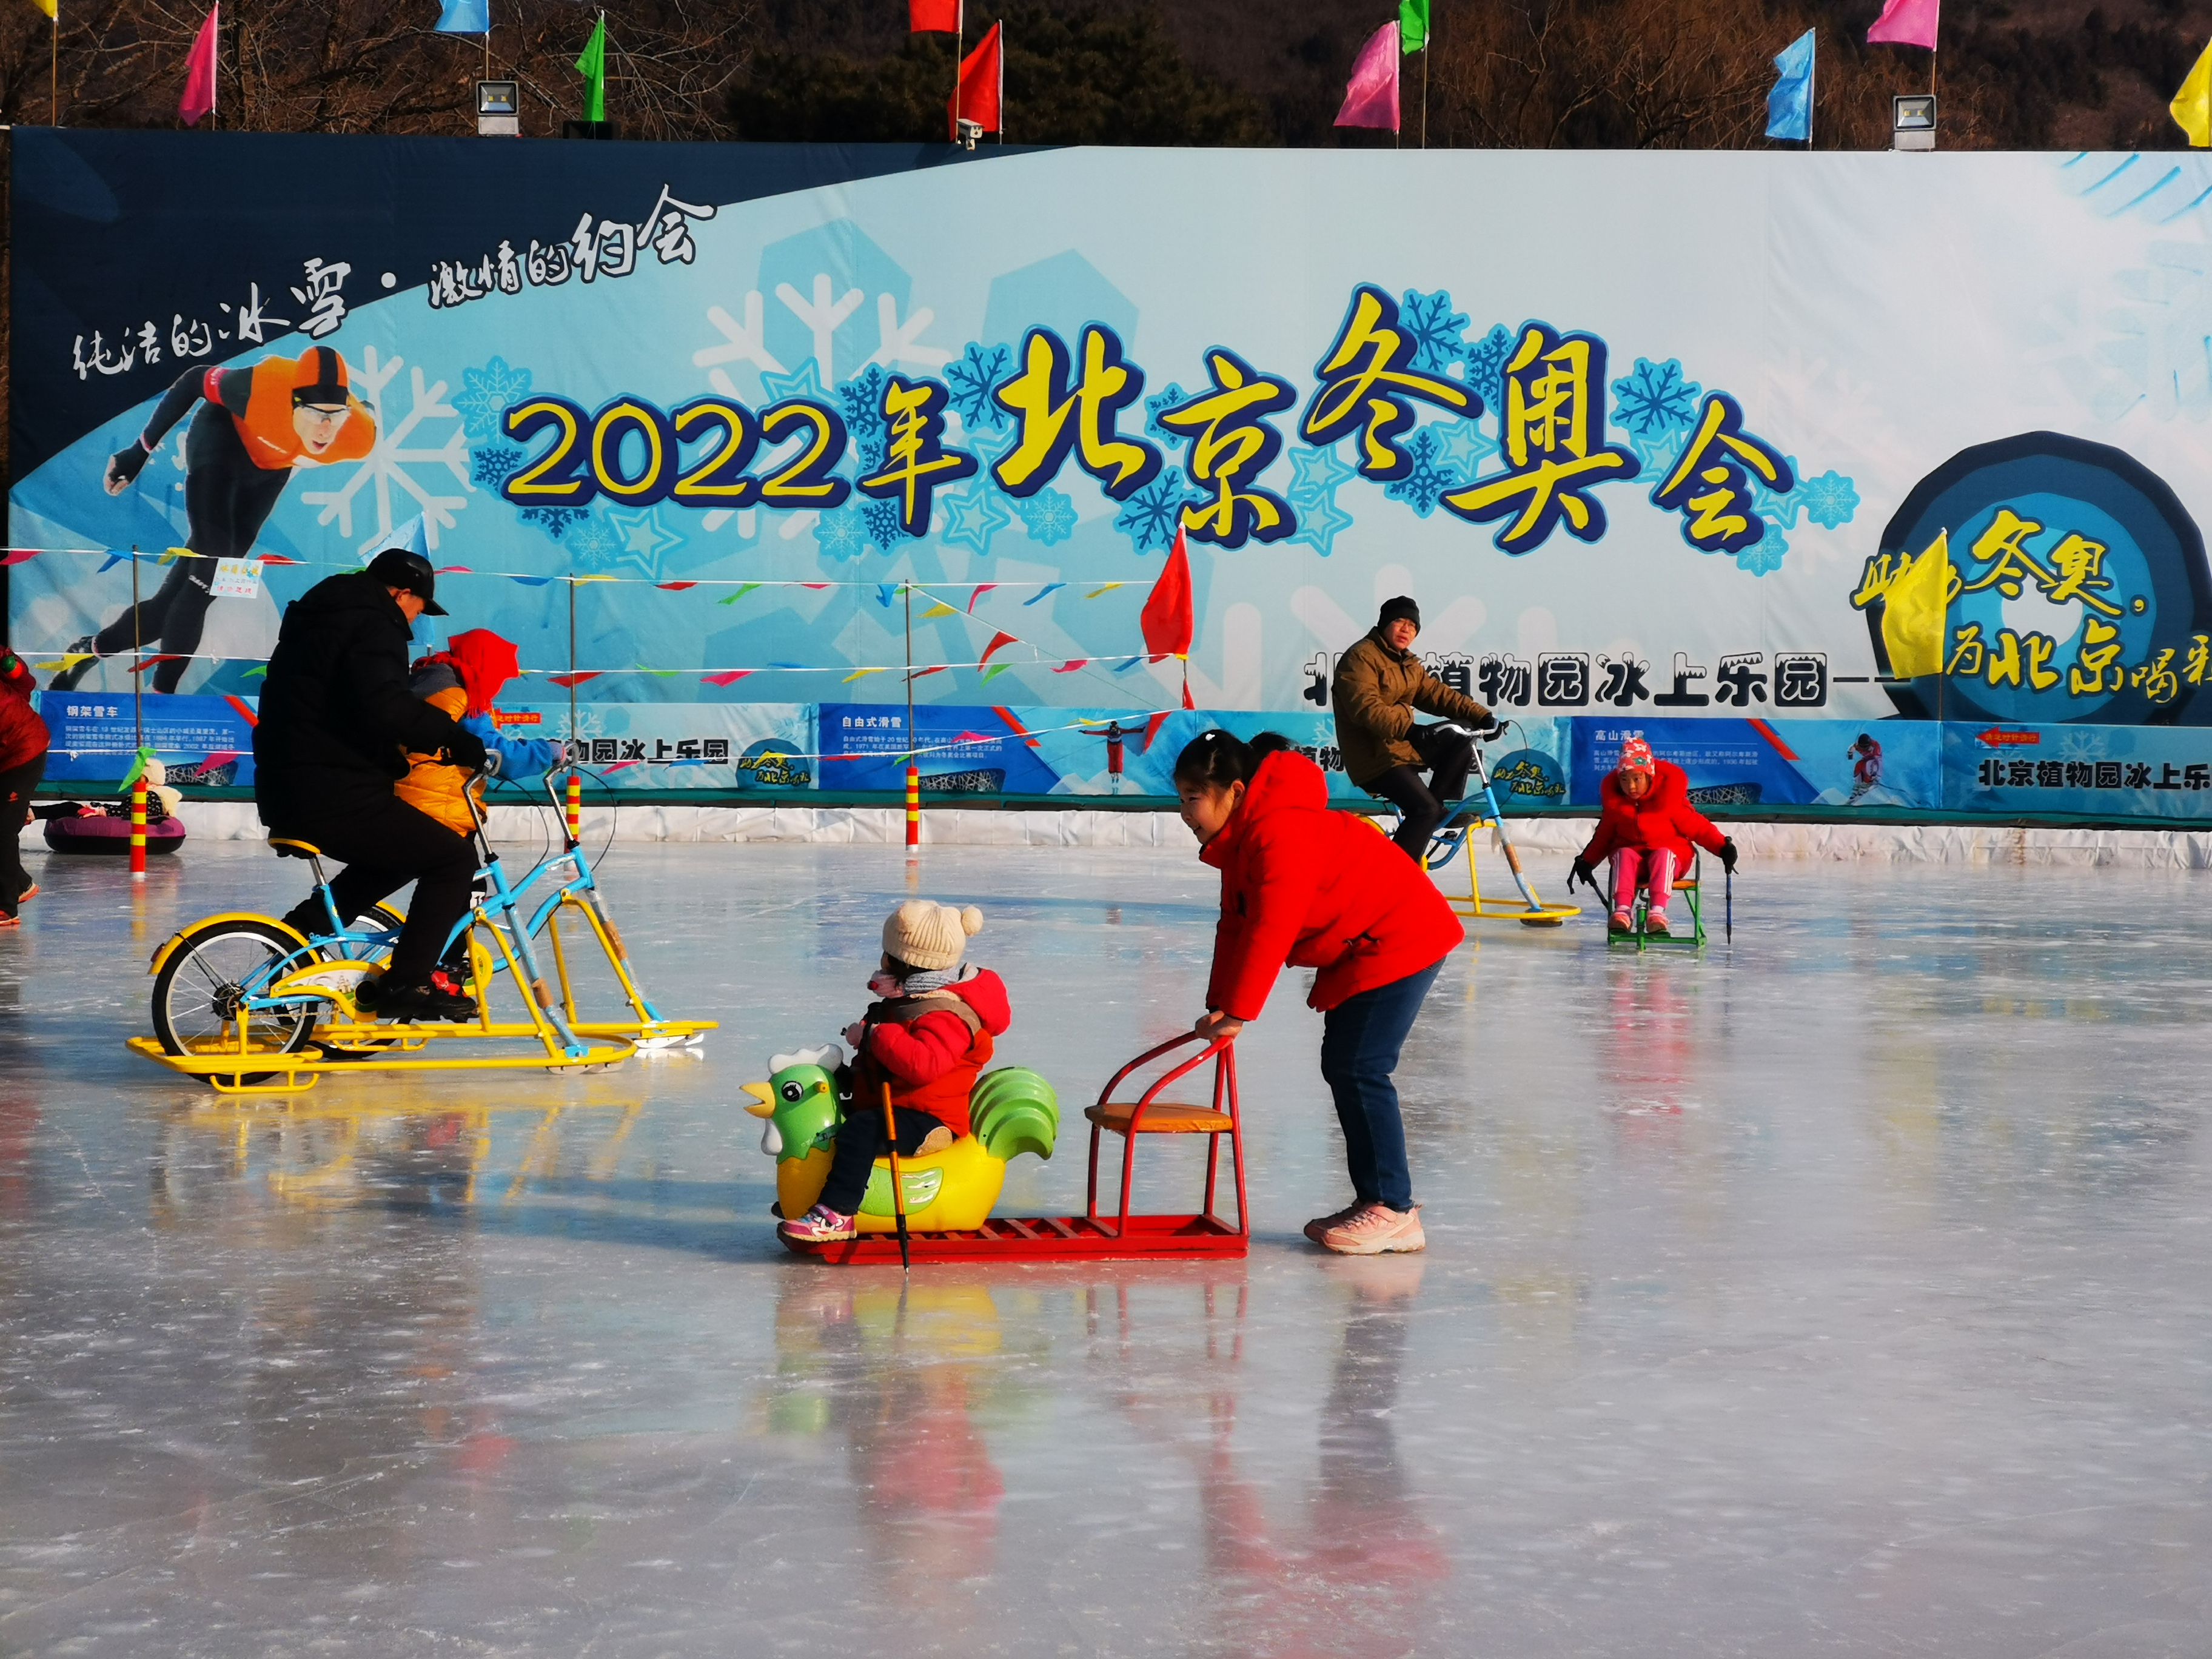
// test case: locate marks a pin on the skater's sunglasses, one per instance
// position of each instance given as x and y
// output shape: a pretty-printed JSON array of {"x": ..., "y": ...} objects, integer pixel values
[{"x": 327, "y": 411}]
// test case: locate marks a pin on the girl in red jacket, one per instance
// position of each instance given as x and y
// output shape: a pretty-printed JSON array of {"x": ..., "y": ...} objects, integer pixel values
[
  {"x": 1316, "y": 889},
  {"x": 928, "y": 1039},
  {"x": 23, "y": 741},
  {"x": 1647, "y": 826}
]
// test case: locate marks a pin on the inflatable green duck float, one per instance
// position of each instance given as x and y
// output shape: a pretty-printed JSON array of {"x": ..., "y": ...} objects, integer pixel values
[{"x": 1011, "y": 1110}]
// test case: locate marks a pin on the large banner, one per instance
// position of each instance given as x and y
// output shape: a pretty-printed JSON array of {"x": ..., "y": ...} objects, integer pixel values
[{"x": 1650, "y": 437}]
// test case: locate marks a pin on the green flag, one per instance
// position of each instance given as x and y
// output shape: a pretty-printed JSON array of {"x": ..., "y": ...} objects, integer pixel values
[
  {"x": 1412, "y": 25},
  {"x": 593, "y": 66}
]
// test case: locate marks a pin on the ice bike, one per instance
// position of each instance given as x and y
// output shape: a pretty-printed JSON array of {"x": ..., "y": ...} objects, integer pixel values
[{"x": 251, "y": 1006}]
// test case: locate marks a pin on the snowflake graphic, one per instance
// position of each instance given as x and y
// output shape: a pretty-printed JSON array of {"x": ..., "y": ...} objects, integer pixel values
[
  {"x": 555, "y": 521},
  {"x": 1830, "y": 500},
  {"x": 486, "y": 394},
  {"x": 595, "y": 544},
  {"x": 1438, "y": 332},
  {"x": 1149, "y": 517},
  {"x": 1776, "y": 506},
  {"x": 1654, "y": 399},
  {"x": 971, "y": 380},
  {"x": 886, "y": 528},
  {"x": 492, "y": 464},
  {"x": 1048, "y": 516},
  {"x": 972, "y": 516},
  {"x": 1486, "y": 365},
  {"x": 1764, "y": 557},
  {"x": 386, "y": 466},
  {"x": 1423, "y": 486},
  {"x": 841, "y": 535},
  {"x": 862, "y": 398},
  {"x": 1169, "y": 397},
  {"x": 1315, "y": 476}
]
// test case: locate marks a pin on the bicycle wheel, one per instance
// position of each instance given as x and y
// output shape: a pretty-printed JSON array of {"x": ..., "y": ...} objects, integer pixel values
[{"x": 197, "y": 997}]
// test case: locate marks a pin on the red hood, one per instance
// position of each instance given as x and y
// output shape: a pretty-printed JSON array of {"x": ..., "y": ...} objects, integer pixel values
[
  {"x": 1668, "y": 783},
  {"x": 1285, "y": 781},
  {"x": 986, "y": 994}
]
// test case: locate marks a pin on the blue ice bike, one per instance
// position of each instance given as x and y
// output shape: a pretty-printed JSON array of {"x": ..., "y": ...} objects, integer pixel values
[{"x": 253, "y": 1006}]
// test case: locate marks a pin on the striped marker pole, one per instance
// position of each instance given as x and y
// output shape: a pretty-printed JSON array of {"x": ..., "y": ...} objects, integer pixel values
[
  {"x": 912, "y": 806},
  {"x": 575, "y": 807},
  {"x": 138, "y": 829}
]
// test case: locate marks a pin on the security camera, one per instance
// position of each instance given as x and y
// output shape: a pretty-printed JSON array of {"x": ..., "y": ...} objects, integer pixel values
[{"x": 969, "y": 131}]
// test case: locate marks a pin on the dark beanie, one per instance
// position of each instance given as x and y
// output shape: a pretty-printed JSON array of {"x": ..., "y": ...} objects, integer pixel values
[{"x": 1401, "y": 606}]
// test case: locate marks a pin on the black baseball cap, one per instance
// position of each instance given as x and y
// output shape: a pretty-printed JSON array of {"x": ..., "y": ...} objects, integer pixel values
[{"x": 396, "y": 567}]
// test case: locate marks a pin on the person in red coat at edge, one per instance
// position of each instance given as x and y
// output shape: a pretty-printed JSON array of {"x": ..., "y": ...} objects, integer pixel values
[
  {"x": 1647, "y": 827},
  {"x": 23, "y": 739},
  {"x": 1305, "y": 886},
  {"x": 929, "y": 1039}
]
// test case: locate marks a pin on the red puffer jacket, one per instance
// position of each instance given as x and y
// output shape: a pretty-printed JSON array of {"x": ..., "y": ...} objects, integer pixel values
[
  {"x": 1663, "y": 818},
  {"x": 929, "y": 1050},
  {"x": 1316, "y": 889},
  {"x": 23, "y": 735}
]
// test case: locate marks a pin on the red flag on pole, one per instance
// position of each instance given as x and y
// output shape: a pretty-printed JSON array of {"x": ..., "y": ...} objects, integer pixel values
[
  {"x": 981, "y": 75},
  {"x": 1167, "y": 618},
  {"x": 199, "y": 70},
  {"x": 933, "y": 16}
]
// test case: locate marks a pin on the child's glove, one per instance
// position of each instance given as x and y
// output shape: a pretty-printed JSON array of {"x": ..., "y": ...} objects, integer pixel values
[
  {"x": 1581, "y": 872},
  {"x": 1727, "y": 855},
  {"x": 465, "y": 749},
  {"x": 855, "y": 1035}
]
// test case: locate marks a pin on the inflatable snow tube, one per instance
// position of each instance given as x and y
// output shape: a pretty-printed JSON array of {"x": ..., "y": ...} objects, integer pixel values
[{"x": 100, "y": 832}]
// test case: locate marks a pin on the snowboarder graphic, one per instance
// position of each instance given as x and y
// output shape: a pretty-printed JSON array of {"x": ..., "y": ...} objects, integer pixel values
[
  {"x": 253, "y": 426},
  {"x": 1115, "y": 736},
  {"x": 1866, "y": 770}
]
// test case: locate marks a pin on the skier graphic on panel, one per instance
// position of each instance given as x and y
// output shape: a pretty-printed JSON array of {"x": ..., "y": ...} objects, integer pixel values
[
  {"x": 253, "y": 426},
  {"x": 1866, "y": 771}
]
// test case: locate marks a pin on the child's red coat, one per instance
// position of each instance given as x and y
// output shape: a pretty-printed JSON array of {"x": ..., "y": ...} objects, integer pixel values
[
  {"x": 1663, "y": 819},
  {"x": 933, "y": 1062}
]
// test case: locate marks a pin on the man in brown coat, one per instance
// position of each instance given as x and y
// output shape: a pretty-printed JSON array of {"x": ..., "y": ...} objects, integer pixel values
[{"x": 1379, "y": 683}]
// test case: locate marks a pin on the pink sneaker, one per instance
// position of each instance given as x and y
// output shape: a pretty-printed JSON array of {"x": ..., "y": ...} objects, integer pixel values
[
  {"x": 1655, "y": 923},
  {"x": 819, "y": 1225},
  {"x": 1376, "y": 1230},
  {"x": 1321, "y": 1224}
]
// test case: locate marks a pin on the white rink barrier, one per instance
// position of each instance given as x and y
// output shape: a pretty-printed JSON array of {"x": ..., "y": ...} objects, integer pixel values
[{"x": 885, "y": 826}]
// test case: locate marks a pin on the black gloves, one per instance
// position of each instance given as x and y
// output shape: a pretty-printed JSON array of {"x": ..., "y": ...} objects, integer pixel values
[
  {"x": 465, "y": 749},
  {"x": 1727, "y": 855},
  {"x": 125, "y": 465},
  {"x": 1581, "y": 872}
]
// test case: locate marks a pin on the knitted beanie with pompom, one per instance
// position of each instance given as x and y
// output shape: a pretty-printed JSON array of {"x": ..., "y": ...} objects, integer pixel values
[{"x": 930, "y": 936}]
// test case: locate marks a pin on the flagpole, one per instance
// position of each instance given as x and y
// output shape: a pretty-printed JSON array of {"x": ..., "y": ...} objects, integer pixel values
[
  {"x": 1428, "y": 40},
  {"x": 54, "y": 70},
  {"x": 1812, "y": 92},
  {"x": 959, "y": 51},
  {"x": 1002, "y": 80}
]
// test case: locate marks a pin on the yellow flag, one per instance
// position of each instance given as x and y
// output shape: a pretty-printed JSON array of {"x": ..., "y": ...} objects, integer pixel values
[
  {"x": 2192, "y": 104},
  {"x": 1913, "y": 610},
  {"x": 47, "y": 7}
]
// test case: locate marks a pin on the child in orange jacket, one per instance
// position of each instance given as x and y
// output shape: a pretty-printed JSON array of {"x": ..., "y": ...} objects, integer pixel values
[
  {"x": 1647, "y": 827},
  {"x": 928, "y": 1040}
]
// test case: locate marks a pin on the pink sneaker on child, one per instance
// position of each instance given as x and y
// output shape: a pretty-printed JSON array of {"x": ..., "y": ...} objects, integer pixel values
[
  {"x": 1655, "y": 923},
  {"x": 819, "y": 1225},
  {"x": 1620, "y": 923}
]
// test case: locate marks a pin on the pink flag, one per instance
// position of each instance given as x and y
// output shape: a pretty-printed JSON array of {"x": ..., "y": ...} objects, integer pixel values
[
  {"x": 199, "y": 71},
  {"x": 1906, "y": 23},
  {"x": 1371, "y": 98}
]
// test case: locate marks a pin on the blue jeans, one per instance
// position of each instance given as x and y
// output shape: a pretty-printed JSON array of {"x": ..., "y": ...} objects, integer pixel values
[{"x": 1359, "y": 1043}]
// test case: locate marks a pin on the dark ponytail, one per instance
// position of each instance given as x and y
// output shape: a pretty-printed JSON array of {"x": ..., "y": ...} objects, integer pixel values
[{"x": 1215, "y": 759}]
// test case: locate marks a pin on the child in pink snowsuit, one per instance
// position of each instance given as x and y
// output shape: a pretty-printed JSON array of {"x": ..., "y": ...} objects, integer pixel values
[{"x": 1647, "y": 826}]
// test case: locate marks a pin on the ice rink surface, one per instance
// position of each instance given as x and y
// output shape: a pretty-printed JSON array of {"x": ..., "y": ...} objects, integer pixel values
[{"x": 1845, "y": 1291}]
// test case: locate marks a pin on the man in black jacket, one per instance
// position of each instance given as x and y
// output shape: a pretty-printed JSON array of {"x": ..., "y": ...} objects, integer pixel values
[{"x": 336, "y": 720}]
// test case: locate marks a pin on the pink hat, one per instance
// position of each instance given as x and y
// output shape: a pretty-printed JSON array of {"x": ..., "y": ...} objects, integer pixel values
[{"x": 1635, "y": 756}]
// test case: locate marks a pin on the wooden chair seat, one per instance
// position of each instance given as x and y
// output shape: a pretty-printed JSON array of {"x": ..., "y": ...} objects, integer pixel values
[{"x": 1162, "y": 1117}]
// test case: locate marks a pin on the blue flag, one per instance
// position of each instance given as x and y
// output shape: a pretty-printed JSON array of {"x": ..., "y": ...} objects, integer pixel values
[
  {"x": 464, "y": 17},
  {"x": 1789, "y": 106}
]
